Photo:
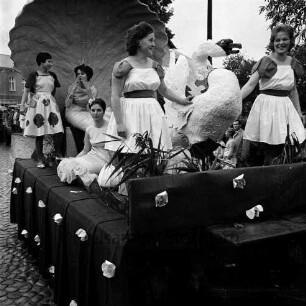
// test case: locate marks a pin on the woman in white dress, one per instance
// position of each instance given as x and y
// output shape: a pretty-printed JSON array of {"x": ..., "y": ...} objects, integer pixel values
[
  {"x": 94, "y": 156},
  {"x": 135, "y": 82},
  {"x": 277, "y": 106}
]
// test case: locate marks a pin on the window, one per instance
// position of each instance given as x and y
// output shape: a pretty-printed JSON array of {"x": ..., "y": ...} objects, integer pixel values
[
  {"x": 12, "y": 83},
  {"x": 23, "y": 84}
]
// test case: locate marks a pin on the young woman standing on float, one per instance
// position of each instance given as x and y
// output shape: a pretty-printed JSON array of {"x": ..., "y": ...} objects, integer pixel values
[
  {"x": 43, "y": 115},
  {"x": 135, "y": 81},
  {"x": 277, "y": 106}
]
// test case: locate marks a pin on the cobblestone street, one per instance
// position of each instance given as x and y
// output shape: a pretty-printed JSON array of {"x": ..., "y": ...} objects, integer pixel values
[{"x": 20, "y": 281}]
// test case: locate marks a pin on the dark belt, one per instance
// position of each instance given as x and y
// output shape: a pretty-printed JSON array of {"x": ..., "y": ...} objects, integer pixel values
[
  {"x": 275, "y": 92},
  {"x": 140, "y": 94}
]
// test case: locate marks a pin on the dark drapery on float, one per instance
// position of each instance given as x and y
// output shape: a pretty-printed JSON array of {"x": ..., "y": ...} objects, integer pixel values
[{"x": 206, "y": 200}]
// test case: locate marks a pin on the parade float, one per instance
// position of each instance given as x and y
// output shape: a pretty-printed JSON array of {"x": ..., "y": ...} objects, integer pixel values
[{"x": 176, "y": 237}]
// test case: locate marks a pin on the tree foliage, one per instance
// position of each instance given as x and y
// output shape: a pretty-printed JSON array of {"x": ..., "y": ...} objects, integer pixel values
[
  {"x": 163, "y": 10},
  {"x": 301, "y": 82},
  {"x": 289, "y": 12},
  {"x": 242, "y": 67}
]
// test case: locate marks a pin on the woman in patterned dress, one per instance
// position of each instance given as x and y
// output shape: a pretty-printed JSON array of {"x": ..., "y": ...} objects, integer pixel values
[
  {"x": 43, "y": 115},
  {"x": 277, "y": 107},
  {"x": 135, "y": 82}
]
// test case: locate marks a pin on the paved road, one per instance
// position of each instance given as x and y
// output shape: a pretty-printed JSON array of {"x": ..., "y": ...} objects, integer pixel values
[{"x": 20, "y": 281}]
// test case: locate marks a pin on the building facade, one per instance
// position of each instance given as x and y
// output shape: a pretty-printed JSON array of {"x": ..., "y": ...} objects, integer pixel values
[{"x": 11, "y": 82}]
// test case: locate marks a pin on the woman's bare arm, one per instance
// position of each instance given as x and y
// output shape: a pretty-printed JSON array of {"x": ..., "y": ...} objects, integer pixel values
[
  {"x": 170, "y": 95},
  {"x": 87, "y": 146},
  {"x": 117, "y": 89},
  {"x": 250, "y": 85}
]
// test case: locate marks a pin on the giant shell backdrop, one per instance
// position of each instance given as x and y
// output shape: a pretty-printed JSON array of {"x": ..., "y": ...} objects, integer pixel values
[{"x": 80, "y": 31}]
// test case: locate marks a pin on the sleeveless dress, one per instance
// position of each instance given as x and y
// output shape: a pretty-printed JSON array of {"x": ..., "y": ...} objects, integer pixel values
[
  {"x": 43, "y": 115},
  {"x": 270, "y": 115},
  {"x": 92, "y": 162},
  {"x": 140, "y": 114}
]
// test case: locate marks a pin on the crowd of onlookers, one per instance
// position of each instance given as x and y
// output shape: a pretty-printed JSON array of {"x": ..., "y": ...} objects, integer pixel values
[
  {"x": 230, "y": 151},
  {"x": 10, "y": 119},
  {"x": 16, "y": 121}
]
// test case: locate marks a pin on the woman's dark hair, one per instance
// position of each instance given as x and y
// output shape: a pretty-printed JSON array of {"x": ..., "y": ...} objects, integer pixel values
[
  {"x": 281, "y": 28},
  {"x": 98, "y": 101},
  {"x": 135, "y": 34},
  {"x": 86, "y": 69},
  {"x": 42, "y": 57}
]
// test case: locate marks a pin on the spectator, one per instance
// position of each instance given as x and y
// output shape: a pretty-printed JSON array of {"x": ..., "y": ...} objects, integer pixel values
[
  {"x": 229, "y": 155},
  {"x": 238, "y": 138},
  {"x": 16, "y": 120}
]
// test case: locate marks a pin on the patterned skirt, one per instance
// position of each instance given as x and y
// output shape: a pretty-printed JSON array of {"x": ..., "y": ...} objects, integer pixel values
[{"x": 43, "y": 116}]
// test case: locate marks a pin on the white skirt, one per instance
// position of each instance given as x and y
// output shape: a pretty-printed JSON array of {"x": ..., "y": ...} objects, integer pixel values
[
  {"x": 140, "y": 115},
  {"x": 92, "y": 162},
  {"x": 268, "y": 120}
]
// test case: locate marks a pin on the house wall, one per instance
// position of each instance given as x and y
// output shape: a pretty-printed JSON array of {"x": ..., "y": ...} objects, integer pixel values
[{"x": 8, "y": 96}]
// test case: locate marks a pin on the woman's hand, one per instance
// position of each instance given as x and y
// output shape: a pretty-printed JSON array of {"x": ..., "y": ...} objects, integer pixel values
[
  {"x": 188, "y": 100},
  {"x": 170, "y": 95},
  {"x": 22, "y": 110},
  {"x": 83, "y": 82},
  {"x": 74, "y": 86},
  {"x": 23, "y": 100},
  {"x": 185, "y": 101},
  {"x": 71, "y": 92},
  {"x": 121, "y": 130}
]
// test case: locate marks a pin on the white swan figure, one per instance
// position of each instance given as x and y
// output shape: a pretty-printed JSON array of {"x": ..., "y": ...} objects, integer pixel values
[{"x": 217, "y": 101}]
